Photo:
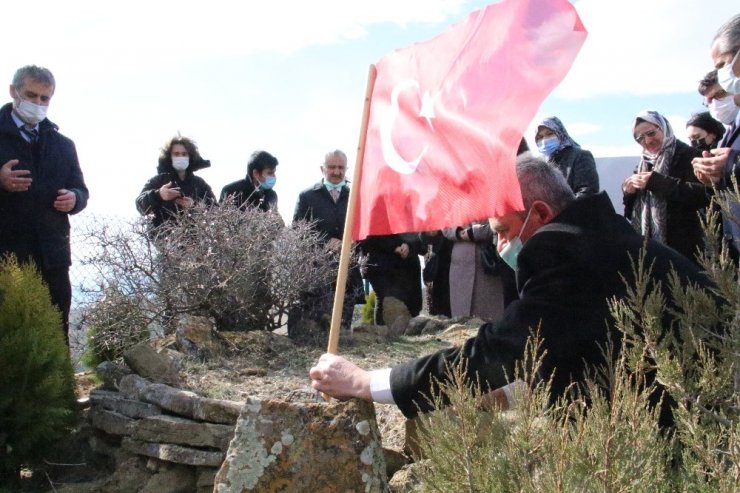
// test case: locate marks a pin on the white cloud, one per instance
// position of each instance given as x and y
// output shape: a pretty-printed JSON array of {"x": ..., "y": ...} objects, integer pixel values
[{"x": 644, "y": 47}]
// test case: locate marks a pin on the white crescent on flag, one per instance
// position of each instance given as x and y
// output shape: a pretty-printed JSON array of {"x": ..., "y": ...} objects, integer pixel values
[{"x": 390, "y": 153}]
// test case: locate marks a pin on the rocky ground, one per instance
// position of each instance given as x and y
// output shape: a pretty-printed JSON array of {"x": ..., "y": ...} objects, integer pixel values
[{"x": 265, "y": 366}]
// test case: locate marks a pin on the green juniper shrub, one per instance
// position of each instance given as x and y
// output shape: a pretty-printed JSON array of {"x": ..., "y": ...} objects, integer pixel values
[
  {"x": 36, "y": 377},
  {"x": 586, "y": 442}
]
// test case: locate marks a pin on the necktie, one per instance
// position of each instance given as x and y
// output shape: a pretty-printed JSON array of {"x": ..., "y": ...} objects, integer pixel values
[
  {"x": 335, "y": 194},
  {"x": 31, "y": 135}
]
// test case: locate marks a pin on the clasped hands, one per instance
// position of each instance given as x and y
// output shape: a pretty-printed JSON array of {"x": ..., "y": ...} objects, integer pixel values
[
  {"x": 709, "y": 168},
  {"x": 635, "y": 182}
]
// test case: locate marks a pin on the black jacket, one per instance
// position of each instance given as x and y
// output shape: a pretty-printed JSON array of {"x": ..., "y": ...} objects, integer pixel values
[
  {"x": 30, "y": 227},
  {"x": 684, "y": 197},
  {"x": 579, "y": 168},
  {"x": 566, "y": 273},
  {"x": 246, "y": 195},
  {"x": 195, "y": 187},
  {"x": 316, "y": 205}
]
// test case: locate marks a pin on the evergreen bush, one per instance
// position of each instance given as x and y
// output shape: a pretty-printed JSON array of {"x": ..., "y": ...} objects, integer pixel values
[{"x": 36, "y": 377}]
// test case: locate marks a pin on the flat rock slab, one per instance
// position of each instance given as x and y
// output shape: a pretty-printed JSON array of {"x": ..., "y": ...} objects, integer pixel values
[
  {"x": 111, "y": 422},
  {"x": 172, "y": 429},
  {"x": 281, "y": 446},
  {"x": 115, "y": 401},
  {"x": 173, "y": 453},
  {"x": 181, "y": 402}
]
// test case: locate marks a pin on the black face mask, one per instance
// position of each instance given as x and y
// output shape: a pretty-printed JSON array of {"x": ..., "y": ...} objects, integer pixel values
[{"x": 701, "y": 144}]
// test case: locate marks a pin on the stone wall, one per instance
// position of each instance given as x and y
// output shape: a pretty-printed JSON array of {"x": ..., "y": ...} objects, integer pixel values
[{"x": 160, "y": 422}]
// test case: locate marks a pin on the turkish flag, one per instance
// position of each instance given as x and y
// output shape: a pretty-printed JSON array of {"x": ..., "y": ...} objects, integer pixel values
[{"x": 447, "y": 116}]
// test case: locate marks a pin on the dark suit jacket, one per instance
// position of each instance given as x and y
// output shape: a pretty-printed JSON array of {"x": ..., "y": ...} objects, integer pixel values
[
  {"x": 566, "y": 272},
  {"x": 316, "y": 205},
  {"x": 731, "y": 139}
]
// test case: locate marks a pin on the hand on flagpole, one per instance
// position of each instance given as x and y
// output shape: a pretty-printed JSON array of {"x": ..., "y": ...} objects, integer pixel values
[{"x": 339, "y": 378}]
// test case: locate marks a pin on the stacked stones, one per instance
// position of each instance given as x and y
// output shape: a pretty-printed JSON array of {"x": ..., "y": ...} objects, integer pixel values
[
  {"x": 162, "y": 422},
  {"x": 187, "y": 439}
]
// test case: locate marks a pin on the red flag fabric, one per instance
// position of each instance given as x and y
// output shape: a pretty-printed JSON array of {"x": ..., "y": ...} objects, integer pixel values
[{"x": 447, "y": 116}]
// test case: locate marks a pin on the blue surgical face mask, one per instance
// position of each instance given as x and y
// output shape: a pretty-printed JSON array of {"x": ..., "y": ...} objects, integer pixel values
[
  {"x": 511, "y": 251},
  {"x": 548, "y": 146},
  {"x": 727, "y": 78},
  {"x": 268, "y": 183},
  {"x": 334, "y": 186}
]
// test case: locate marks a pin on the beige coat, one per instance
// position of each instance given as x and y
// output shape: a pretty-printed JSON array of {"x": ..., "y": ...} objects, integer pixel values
[{"x": 473, "y": 292}]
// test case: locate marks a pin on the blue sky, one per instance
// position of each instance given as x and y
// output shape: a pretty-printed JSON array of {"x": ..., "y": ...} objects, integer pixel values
[{"x": 289, "y": 77}]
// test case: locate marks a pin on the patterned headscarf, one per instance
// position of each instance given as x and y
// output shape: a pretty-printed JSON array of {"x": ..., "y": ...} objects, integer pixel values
[
  {"x": 554, "y": 124},
  {"x": 649, "y": 209}
]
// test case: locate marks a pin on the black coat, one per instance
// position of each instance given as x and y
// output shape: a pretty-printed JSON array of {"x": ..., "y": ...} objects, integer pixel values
[
  {"x": 684, "y": 197},
  {"x": 316, "y": 205},
  {"x": 566, "y": 272},
  {"x": 579, "y": 168},
  {"x": 30, "y": 227},
  {"x": 195, "y": 187},
  {"x": 245, "y": 194},
  {"x": 327, "y": 217}
]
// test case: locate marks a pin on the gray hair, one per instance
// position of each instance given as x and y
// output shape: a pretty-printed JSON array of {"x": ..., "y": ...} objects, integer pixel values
[
  {"x": 35, "y": 73},
  {"x": 336, "y": 153},
  {"x": 727, "y": 38},
  {"x": 540, "y": 180}
]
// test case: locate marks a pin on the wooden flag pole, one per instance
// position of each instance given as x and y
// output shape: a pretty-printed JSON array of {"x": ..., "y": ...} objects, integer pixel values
[{"x": 349, "y": 221}]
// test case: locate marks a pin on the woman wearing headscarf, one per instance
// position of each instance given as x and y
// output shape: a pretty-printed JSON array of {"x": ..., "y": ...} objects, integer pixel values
[
  {"x": 663, "y": 197},
  {"x": 703, "y": 131},
  {"x": 578, "y": 166}
]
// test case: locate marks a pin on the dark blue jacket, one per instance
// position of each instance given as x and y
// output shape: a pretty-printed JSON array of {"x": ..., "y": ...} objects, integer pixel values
[{"x": 30, "y": 227}]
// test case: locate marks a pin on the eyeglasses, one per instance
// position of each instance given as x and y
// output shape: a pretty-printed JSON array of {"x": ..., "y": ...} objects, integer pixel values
[{"x": 646, "y": 135}]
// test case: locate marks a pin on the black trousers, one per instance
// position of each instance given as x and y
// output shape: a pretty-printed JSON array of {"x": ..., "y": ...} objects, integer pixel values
[
  {"x": 60, "y": 288},
  {"x": 400, "y": 284}
]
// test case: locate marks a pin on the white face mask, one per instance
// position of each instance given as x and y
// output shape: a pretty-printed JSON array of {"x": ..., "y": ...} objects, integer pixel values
[
  {"x": 727, "y": 78},
  {"x": 29, "y": 112},
  {"x": 724, "y": 109},
  {"x": 510, "y": 252},
  {"x": 180, "y": 163}
]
